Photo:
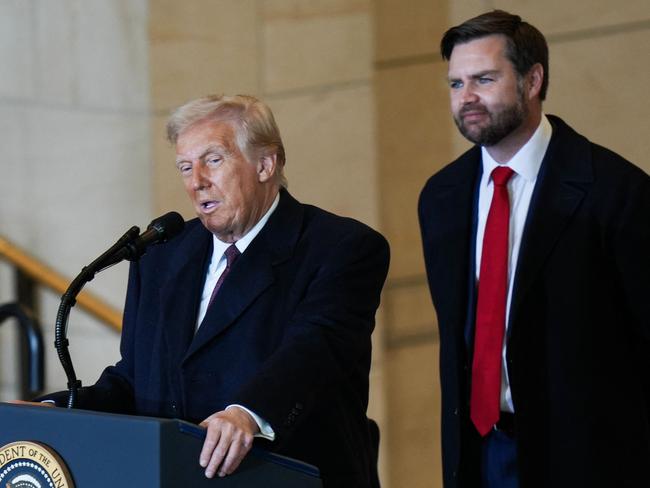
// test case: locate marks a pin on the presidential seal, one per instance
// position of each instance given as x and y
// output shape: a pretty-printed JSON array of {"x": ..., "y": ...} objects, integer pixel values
[{"x": 26, "y": 464}]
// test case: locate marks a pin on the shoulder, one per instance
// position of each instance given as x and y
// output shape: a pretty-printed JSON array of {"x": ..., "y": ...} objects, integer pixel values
[
  {"x": 328, "y": 227},
  {"x": 462, "y": 170},
  {"x": 608, "y": 168},
  {"x": 342, "y": 246},
  {"x": 458, "y": 171},
  {"x": 293, "y": 217},
  {"x": 616, "y": 193},
  {"x": 608, "y": 164},
  {"x": 450, "y": 188},
  {"x": 605, "y": 162},
  {"x": 311, "y": 233}
]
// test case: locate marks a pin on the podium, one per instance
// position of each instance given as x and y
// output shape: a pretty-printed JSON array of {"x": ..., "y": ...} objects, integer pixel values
[{"x": 104, "y": 450}]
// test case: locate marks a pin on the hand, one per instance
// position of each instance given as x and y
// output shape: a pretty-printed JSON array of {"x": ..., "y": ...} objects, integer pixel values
[
  {"x": 33, "y": 404},
  {"x": 229, "y": 438}
]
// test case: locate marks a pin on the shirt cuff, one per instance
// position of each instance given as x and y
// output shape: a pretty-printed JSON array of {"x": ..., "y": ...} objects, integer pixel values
[{"x": 266, "y": 431}]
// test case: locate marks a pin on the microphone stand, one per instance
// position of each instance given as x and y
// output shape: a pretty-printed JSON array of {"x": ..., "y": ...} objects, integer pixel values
[{"x": 116, "y": 253}]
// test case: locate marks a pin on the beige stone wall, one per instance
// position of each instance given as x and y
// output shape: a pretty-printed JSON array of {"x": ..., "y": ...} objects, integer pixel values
[
  {"x": 311, "y": 61},
  {"x": 599, "y": 63},
  {"x": 74, "y": 153},
  {"x": 414, "y": 138}
]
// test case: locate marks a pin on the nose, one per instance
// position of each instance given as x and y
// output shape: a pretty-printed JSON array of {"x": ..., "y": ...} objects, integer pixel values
[
  {"x": 199, "y": 179},
  {"x": 468, "y": 95}
]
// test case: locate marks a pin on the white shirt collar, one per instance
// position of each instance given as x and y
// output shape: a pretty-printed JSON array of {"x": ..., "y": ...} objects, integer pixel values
[
  {"x": 219, "y": 247},
  {"x": 527, "y": 161}
]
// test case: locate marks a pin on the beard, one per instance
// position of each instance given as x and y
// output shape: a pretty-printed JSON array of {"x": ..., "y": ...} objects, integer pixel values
[{"x": 501, "y": 123}]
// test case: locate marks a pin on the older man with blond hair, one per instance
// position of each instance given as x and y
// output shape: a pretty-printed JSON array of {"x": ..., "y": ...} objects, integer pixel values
[{"x": 255, "y": 322}]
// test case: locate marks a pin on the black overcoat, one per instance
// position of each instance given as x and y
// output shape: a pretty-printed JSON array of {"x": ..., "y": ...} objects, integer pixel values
[{"x": 578, "y": 348}]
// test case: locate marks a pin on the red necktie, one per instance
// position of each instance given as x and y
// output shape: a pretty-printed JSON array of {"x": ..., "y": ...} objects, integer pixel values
[
  {"x": 491, "y": 308},
  {"x": 231, "y": 253}
]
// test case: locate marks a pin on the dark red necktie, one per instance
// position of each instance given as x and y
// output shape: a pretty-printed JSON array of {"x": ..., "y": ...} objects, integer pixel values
[
  {"x": 231, "y": 253},
  {"x": 491, "y": 308}
]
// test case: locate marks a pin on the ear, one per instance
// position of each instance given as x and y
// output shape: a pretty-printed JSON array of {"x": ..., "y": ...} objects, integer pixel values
[
  {"x": 534, "y": 79},
  {"x": 266, "y": 166}
]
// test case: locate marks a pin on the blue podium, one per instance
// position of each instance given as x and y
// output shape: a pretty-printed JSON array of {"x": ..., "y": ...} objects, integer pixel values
[{"x": 104, "y": 450}]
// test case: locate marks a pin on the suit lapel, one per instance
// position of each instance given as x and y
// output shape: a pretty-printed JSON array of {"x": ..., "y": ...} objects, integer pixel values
[
  {"x": 252, "y": 273},
  {"x": 564, "y": 179}
]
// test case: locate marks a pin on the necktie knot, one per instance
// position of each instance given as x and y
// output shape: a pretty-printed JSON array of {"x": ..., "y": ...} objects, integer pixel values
[
  {"x": 231, "y": 253},
  {"x": 501, "y": 175}
]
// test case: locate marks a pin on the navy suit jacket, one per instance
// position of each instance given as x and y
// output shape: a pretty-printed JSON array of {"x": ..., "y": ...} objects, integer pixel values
[
  {"x": 579, "y": 338},
  {"x": 287, "y": 336}
]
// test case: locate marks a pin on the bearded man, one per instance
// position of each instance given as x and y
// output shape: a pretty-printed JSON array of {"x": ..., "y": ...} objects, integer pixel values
[{"x": 536, "y": 247}]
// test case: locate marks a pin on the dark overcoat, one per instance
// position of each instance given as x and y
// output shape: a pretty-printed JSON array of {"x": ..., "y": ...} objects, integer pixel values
[
  {"x": 578, "y": 347},
  {"x": 287, "y": 336}
]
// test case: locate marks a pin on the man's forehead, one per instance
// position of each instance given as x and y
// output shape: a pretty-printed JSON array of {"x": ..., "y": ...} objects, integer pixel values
[
  {"x": 207, "y": 132},
  {"x": 482, "y": 54},
  {"x": 204, "y": 138}
]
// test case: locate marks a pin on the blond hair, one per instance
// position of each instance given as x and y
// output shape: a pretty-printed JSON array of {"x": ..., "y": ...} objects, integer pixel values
[{"x": 256, "y": 132}]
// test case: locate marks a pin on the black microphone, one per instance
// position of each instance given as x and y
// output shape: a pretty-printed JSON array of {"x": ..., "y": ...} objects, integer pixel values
[
  {"x": 132, "y": 245},
  {"x": 159, "y": 230}
]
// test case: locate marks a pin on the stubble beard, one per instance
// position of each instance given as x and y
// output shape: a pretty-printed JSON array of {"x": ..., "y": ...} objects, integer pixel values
[{"x": 501, "y": 123}]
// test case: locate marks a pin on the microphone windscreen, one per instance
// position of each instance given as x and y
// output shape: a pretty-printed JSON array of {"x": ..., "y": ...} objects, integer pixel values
[{"x": 167, "y": 226}]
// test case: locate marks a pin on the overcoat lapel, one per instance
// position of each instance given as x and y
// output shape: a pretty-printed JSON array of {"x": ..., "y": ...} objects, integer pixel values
[
  {"x": 180, "y": 294},
  {"x": 456, "y": 203},
  {"x": 252, "y": 273},
  {"x": 565, "y": 177},
  {"x": 249, "y": 277}
]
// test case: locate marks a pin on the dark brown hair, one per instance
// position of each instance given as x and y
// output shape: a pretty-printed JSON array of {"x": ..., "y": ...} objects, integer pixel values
[{"x": 525, "y": 45}]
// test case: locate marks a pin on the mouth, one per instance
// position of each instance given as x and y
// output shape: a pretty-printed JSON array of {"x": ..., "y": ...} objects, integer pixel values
[
  {"x": 473, "y": 116},
  {"x": 473, "y": 113},
  {"x": 208, "y": 206}
]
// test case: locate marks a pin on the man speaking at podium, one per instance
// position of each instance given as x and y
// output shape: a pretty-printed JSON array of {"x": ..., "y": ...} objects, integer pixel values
[{"x": 256, "y": 320}]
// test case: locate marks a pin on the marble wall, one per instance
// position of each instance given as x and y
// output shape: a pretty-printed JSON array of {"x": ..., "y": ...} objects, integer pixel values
[{"x": 74, "y": 132}]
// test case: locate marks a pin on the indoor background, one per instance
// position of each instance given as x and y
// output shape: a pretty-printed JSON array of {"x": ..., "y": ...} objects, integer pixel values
[{"x": 358, "y": 89}]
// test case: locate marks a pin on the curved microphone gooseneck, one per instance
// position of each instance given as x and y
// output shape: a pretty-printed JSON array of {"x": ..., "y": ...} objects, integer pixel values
[{"x": 130, "y": 246}]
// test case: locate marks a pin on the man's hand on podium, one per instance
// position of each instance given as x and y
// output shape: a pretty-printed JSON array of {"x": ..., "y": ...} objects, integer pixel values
[
  {"x": 228, "y": 440},
  {"x": 34, "y": 404}
]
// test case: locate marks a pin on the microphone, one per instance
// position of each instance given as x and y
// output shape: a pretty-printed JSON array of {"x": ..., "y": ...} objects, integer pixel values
[
  {"x": 132, "y": 246},
  {"x": 159, "y": 230}
]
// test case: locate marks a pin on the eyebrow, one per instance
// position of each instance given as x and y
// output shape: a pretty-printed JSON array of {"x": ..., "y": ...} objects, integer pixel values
[
  {"x": 210, "y": 149},
  {"x": 480, "y": 74}
]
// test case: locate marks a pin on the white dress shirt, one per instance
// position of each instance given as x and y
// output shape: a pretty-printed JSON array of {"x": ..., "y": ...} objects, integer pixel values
[
  {"x": 215, "y": 269},
  {"x": 525, "y": 163}
]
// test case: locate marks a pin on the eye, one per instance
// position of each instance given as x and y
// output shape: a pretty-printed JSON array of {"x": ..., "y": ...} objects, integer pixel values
[
  {"x": 484, "y": 80},
  {"x": 184, "y": 168},
  {"x": 455, "y": 84},
  {"x": 214, "y": 160}
]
